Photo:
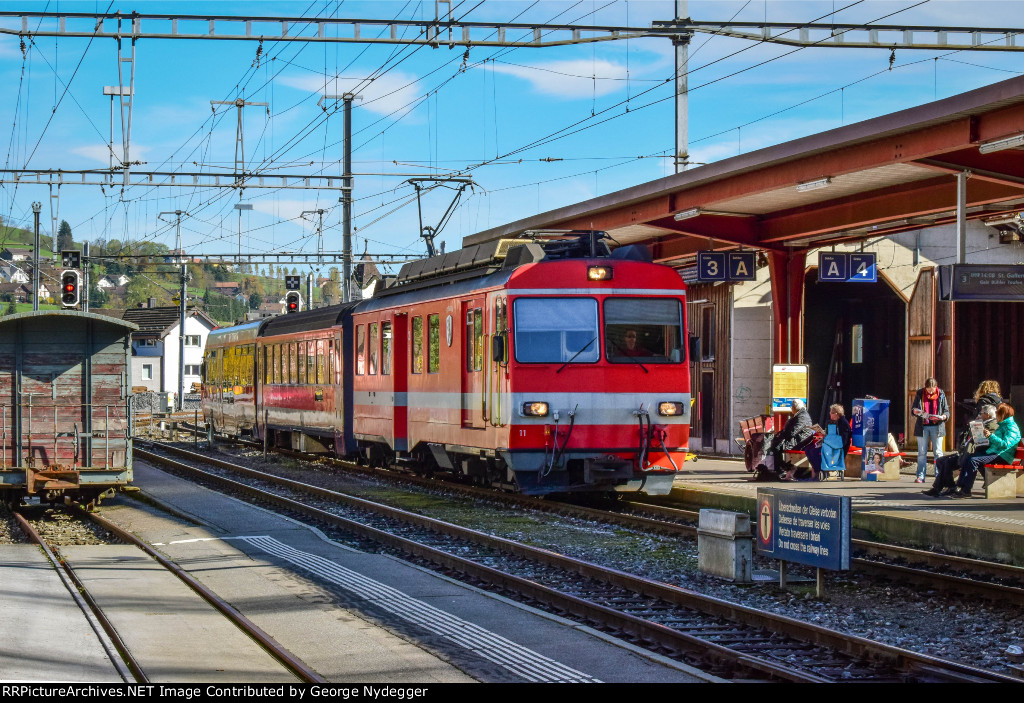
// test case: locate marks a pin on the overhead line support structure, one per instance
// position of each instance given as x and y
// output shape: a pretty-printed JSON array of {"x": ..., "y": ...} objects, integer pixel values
[{"x": 448, "y": 32}]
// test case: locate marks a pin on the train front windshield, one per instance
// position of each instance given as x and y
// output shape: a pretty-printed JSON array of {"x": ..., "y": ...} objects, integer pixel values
[
  {"x": 567, "y": 330},
  {"x": 649, "y": 330}
]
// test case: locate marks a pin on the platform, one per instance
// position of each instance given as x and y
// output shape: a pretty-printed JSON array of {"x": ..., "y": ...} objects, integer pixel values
[
  {"x": 895, "y": 511},
  {"x": 362, "y": 617}
]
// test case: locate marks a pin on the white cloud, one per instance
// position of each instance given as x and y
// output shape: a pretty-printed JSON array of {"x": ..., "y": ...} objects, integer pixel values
[
  {"x": 394, "y": 93},
  {"x": 569, "y": 79},
  {"x": 101, "y": 152}
]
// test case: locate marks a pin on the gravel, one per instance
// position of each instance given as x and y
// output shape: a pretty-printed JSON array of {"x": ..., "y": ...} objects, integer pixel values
[{"x": 947, "y": 625}]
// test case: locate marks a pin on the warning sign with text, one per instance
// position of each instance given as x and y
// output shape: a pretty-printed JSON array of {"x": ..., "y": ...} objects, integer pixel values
[{"x": 804, "y": 527}]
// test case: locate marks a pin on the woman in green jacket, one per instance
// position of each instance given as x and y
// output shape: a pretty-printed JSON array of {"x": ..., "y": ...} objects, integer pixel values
[{"x": 1002, "y": 446}]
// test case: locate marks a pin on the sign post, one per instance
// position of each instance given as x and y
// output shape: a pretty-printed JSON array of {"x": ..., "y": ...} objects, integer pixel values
[{"x": 804, "y": 528}]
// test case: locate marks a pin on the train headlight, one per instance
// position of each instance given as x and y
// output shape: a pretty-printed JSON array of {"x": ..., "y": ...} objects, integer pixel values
[
  {"x": 599, "y": 273},
  {"x": 670, "y": 409},
  {"x": 535, "y": 409}
]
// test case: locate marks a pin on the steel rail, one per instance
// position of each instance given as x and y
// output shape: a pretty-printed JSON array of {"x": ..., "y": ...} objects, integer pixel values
[
  {"x": 667, "y": 522},
  {"x": 261, "y": 637},
  {"x": 89, "y": 606},
  {"x": 857, "y": 647}
]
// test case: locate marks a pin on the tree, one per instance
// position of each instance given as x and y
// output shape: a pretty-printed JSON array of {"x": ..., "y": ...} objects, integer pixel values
[
  {"x": 11, "y": 308},
  {"x": 64, "y": 239},
  {"x": 255, "y": 300}
]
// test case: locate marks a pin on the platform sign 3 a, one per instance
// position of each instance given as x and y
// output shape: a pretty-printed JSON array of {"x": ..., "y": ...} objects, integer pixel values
[
  {"x": 726, "y": 266},
  {"x": 711, "y": 266},
  {"x": 842, "y": 267},
  {"x": 742, "y": 266},
  {"x": 804, "y": 527}
]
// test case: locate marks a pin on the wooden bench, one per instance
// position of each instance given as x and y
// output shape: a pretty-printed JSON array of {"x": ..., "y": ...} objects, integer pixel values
[{"x": 1006, "y": 480}]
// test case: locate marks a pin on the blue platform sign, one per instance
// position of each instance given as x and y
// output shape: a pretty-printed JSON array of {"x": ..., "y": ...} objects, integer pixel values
[
  {"x": 742, "y": 266},
  {"x": 870, "y": 422},
  {"x": 863, "y": 268},
  {"x": 832, "y": 266},
  {"x": 804, "y": 527},
  {"x": 841, "y": 267},
  {"x": 711, "y": 266}
]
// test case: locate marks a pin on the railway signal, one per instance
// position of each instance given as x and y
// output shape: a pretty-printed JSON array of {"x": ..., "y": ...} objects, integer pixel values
[
  {"x": 70, "y": 283},
  {"x": 71, "y": 258},
  {"x": 293, "y": 301},
  {"x": 292, "y": 282}
]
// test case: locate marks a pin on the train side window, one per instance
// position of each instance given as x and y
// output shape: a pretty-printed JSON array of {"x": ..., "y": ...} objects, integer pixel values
[
  {"x": 293, "y": 363},
  {"x": 300, "y": 361},
  {"x": 321, "y": 360},
  {"x": 330, "y": 361},
  {"x": 276, "y": 363},
  {"x": 417, "y": 345},
  {"x": 478, "y": 339},
  {"x": 311, "y": 362},
  {"x": 433, "y": 343},
  {"x": 372, "y": 345},
  {"x": 268, "y": 361},
  {"x": 385, "y": 348},
  {"x": 360, "y": 350}
]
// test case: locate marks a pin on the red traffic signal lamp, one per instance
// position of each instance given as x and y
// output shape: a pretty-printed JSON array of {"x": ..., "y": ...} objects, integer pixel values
[
  {"x": 292, "y": 302},
  {"x": 70, "y": 283}
]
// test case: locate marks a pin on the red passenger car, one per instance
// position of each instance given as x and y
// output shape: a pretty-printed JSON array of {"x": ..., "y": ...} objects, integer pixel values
[{"x": 542, "y": 366}]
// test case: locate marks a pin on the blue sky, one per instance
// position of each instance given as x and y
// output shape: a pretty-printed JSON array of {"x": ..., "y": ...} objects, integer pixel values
[{"x": 599, "y": 117}]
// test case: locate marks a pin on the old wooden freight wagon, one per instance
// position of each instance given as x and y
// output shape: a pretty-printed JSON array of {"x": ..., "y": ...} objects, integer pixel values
[{"x": 64, "y": 404}]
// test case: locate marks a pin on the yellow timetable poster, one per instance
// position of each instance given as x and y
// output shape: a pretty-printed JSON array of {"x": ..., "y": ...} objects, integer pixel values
[{"x": 789, "y": 381}]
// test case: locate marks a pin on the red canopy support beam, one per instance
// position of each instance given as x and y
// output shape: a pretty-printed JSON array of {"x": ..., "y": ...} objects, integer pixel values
[{"x": 786, "y": 270}]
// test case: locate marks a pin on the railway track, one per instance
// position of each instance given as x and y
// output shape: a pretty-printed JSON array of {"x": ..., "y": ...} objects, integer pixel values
[
  {"x": 131, "y": 667},
  {"x": 950, "y": 573},
  {"x": 728, "y": 639}
]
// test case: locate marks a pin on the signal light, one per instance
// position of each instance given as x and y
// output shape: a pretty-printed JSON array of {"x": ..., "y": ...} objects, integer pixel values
[
  {"x": 292, "y": 302},
  {"x": 69, "y": 288}
]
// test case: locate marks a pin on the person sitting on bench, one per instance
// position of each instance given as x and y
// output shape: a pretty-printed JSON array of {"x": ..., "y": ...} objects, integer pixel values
[{"x": 944, "y": 484}]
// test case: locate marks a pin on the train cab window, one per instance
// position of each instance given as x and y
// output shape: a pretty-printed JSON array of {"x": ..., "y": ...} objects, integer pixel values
[
  {"x": 643, "y": 331},
  {"x": 385, "y": 348},
  {"x": 360, "y": 350},
  {"x": 556, "y": 330},
  {"x": 433, "y": 343},
  {"x": 371, "y": 344},
  {"x": 301, "y": 363},
  {"x": 417, "y": 345}
]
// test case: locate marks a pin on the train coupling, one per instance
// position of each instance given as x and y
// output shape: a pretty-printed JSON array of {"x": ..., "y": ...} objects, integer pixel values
[{"x": 51, "y": 478}]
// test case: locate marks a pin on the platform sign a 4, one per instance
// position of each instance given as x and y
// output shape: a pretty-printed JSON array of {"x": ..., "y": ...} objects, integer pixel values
[
  {"x": 832, "y": 266},
  {"x": 863, "y": 268}
]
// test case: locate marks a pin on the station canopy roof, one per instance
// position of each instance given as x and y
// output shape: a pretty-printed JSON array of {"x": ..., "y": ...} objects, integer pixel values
[{"x": 885, "y": 175}]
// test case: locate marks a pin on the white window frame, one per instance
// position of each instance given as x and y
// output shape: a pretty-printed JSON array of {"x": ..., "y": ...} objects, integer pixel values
[
  {"x": 147, "y": 372},
  {"x": 193, "y": 340}
]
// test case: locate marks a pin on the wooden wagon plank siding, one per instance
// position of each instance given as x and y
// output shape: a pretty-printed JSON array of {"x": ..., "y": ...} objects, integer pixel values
[{"x": 720, "y": 297}]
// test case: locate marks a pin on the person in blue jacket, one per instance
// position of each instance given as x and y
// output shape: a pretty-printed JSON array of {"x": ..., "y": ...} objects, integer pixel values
[{"x": 1002, "y": 446}]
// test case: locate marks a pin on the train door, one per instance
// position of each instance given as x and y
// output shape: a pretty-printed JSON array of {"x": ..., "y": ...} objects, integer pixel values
[
  {"x": 497, "y": 363},
  {"x": 400, "y": 376},
  {"x": 473, "y": 363}
]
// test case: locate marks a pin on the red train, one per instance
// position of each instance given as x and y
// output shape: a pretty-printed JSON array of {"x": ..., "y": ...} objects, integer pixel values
[{"x": 541, "y": 366}]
